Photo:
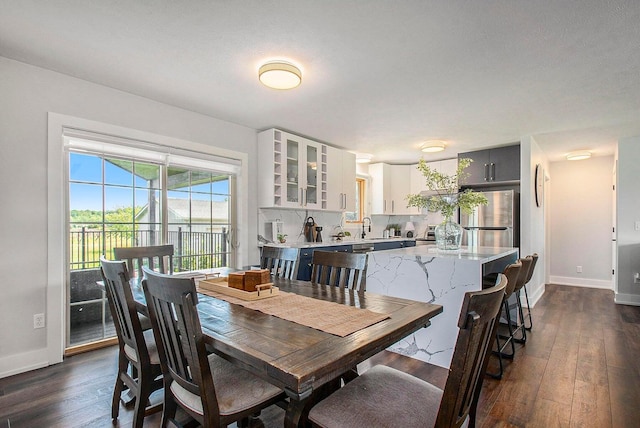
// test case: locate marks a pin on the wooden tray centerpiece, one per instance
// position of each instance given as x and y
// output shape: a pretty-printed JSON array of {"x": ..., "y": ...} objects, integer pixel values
[{"x": 245, "y": 285}]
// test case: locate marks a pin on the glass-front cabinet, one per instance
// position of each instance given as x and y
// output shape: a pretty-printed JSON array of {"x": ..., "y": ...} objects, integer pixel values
[
  {"x": 302, "y": 157},
  {"x": 291, "y": 171}
]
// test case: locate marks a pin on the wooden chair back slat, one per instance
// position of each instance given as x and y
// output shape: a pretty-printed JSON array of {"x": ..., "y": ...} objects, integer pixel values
[
  {"x": 344, "y": 270},
  {"x": 156, "y": 257},
  {"x": 282, "y": 262}
]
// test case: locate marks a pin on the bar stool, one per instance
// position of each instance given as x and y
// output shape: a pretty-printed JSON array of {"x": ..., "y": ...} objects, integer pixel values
[
  {"x": 526, "y": 295},
  {"x": 512, "y": 272},
  {"x": 525, "y": 272}
]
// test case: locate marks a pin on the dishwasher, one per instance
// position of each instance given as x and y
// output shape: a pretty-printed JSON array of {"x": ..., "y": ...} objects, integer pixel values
[{"x": 362, "y": 248}]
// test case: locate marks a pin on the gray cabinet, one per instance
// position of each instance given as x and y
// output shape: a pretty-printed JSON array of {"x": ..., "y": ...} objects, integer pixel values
[{"x": 493, "y": 166}]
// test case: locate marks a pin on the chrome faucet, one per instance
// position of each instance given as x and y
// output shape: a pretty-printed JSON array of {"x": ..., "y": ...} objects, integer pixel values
[{"x": 363, "y": 232}]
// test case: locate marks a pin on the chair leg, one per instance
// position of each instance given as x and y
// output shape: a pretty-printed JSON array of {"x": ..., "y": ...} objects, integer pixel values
[
  {"x": 526, "y": 296},
  {"x": 520, "y": 327},
  {"x": 119, "y": 386},
  {"x": 508, "y": 340},
  {"x": 142, "y": 398},
  {"x": 168, "y": 409}
]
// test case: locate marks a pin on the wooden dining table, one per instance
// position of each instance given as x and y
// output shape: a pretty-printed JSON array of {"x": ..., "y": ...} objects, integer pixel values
[{"x": 305, "y": 362}]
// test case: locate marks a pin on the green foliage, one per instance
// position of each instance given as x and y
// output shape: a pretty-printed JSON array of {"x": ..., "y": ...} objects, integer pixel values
[{"x": 447, "y": 197}]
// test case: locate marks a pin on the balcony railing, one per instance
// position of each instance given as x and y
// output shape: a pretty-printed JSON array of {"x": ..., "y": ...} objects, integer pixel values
[{"x": 193, "y": 250}]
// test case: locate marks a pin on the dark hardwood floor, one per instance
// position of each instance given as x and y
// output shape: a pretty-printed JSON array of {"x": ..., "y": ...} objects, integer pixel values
[{"x": 580, "y": 367}]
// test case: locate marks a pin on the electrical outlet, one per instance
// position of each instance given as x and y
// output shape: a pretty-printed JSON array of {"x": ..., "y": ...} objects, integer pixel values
[
  {"x": 38, "y": 321},
  {"x": 636, "y": 278},
  {"x": 579, "y": 269}
]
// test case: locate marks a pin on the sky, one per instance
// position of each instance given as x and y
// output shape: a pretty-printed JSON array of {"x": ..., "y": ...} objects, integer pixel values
[{"x": 85, "y": 187}]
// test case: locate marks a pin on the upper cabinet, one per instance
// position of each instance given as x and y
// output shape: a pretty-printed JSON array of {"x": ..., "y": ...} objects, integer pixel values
[
  {"x": 341, "y": 180},
  {"x": 292, "y": 171},
  {"x": 493, "y": 166},
  {"x": 390, "y": 185},
  {"x": 295, "y": 172}
]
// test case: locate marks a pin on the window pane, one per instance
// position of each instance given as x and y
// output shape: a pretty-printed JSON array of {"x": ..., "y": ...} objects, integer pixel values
[
  {"x": 147, "y": 175},
  {"x": 117, "y": 198},
  {"x": 85, "y": 197},
  {"x": 118, "y": 171},
  {"x": 178, "y": 178},
  {"x": 147, "y": 205},
  {"x": 85, "y": 168},
  {"x": 221, "y": 185},
  {"x": 178, "y": 207}
]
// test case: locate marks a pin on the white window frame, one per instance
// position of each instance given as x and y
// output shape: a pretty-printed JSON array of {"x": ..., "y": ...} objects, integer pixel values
[{"x": 57, "y": 203}]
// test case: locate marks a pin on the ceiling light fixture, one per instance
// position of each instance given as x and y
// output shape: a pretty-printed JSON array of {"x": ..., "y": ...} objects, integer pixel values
[
  {"x": 579, "y": 155},
  {"x": 433, "y": 146},
  {"x": 280, "y": 75},
  {"x": 363, "y": 157}
]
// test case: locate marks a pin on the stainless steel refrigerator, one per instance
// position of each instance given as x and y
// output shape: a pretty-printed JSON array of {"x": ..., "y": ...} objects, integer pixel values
[{"x": 495, "y": 224}]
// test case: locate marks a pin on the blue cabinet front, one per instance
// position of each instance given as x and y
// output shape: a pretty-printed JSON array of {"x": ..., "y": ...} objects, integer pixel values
[{"x": 306, "y": 256}]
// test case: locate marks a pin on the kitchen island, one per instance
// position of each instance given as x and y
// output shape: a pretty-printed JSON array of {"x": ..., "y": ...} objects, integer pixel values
[{"x": 427, "y": 274}]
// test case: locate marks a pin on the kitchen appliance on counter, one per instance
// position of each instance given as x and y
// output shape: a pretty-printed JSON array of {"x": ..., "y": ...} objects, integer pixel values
[
  {"x": 272, "y": 229},
  {"x": 429, "y": 236},
  {"x": 310, "y": 229},
  {"x": 495, "y": 224}
]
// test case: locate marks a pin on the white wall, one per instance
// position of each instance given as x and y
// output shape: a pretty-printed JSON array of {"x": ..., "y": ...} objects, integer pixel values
[
  {"x": 581, "y": 221},
  {"x": 628, "y": 213},
  {"x": 532, "y": 217},
  {"x": 28, "y": 94}
]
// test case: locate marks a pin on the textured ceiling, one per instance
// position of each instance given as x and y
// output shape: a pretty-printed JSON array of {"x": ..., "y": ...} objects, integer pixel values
[{"x": 378, "y": 76}]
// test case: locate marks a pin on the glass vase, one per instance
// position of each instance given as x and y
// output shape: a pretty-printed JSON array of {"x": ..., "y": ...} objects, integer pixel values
[{"x": 448, "y": 235}]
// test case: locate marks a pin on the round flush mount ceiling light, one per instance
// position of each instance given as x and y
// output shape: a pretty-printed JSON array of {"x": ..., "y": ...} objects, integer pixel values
[
  {"x": 280, "y": 75},
  {"x": 363, "y": 157},
  {"x": 579, "y": 155},
  {"x": 433, "y": 146}
]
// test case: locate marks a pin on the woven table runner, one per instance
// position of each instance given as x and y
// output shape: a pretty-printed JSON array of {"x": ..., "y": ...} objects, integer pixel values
[{"x": 329, "y": 317}]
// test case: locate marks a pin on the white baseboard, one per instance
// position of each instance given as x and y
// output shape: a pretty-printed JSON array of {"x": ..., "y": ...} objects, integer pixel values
[
  {"x": 627, "y": 299},
  {"x": 581, "y": 282},
  {"x": 24, "y": 362}
]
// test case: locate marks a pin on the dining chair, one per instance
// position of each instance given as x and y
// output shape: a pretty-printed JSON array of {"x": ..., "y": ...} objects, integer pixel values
[
  {"x": 511, "y": 273},
  {"x": 153, "y": 256},
  {"x": 209, "y": 388},
  {"x": 282, "y": 262},
  {"x": 386, "y": 397},
  {"x": 344, "y": 270},
  {"x": 137, "y": 348}
]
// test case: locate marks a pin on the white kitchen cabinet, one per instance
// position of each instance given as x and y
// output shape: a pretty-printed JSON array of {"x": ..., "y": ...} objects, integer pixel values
[
  {"x": 390, "y": 185},
  {"x": 292, "y": 171},
  {"x": 341, "y": 180}
]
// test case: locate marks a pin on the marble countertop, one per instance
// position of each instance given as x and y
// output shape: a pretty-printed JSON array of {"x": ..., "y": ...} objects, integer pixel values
[
  {"x": 337, "y": 243},
  {"x": 481, "y": 254}
]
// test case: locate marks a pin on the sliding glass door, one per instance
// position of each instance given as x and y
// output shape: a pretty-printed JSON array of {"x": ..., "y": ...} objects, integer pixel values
[{"x": 115, "y": 201}]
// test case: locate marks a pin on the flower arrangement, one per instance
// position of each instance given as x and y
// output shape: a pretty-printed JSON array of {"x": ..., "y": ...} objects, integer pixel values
[{"x": 447, "y": 197}]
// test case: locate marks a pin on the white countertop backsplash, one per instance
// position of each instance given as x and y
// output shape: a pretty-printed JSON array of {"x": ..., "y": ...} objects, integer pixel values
[{"x": 332, "y": 222}]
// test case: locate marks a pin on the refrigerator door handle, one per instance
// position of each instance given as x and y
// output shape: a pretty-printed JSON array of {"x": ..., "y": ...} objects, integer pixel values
[{"x": 486, "y": 171}]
